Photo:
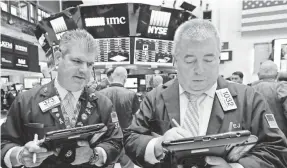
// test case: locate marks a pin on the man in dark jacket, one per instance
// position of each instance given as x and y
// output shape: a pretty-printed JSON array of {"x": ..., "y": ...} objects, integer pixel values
[
  {"x": 203, "y": 103},
  {"x": 274, "y": 92},
  {"x": 125, "y": 103},
  {"x": 63, "y": 103}
]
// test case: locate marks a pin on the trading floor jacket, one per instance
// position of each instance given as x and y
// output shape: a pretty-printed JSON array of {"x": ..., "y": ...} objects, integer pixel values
[
  {"x": 162, "y": 104},
  {"x": 19, "y": 127}
]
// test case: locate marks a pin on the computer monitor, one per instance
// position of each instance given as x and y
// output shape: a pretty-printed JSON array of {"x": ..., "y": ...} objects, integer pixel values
[
  {"x": 28, "y": 82},
  {"x": 45, "y": 81}
]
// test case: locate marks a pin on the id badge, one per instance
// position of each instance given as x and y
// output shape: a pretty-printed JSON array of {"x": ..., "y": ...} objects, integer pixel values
[
  {"x": 49, "y": 103},
  {"x": 226, "y": 99}
]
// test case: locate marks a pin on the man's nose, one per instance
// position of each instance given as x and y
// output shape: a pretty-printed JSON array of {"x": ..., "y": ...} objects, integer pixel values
[
  {"x": 199, "y": 67},
  {"x": 84, "y": 67}
]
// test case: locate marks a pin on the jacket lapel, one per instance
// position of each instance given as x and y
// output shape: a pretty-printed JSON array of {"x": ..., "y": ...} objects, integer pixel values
[
  {"x": 88, "y": 107},
  {"x": 217, "y": 113},
  {"x": 49, "y": 91},
  {"x": 171, "y": 100}
]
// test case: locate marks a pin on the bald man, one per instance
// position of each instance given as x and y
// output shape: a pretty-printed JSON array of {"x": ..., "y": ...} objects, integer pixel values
[
  {"x": 157, "y": 81},
  {"x": 125, "y": 103},
  {"x": 274, "y": 92}
]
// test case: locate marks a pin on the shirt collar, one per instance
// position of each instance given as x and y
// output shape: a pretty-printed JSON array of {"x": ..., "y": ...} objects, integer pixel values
[
  {"x": 210, "y": 92},
  {"x": 116, "y": 84},
  {"x": 62, "y": 91}
]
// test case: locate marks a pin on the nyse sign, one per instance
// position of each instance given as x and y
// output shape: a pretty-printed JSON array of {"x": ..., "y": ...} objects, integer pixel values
[
  {"x": 157, "y": 30},
  {"x": 159, "y": 22}
]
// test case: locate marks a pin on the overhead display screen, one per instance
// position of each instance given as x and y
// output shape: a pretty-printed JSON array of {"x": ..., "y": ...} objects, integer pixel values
[
  {"x": 153, "y": 52},
  {"x": 159, "y": 22},
  {"x": 106, "y": 21},
  {"x": 113, "y": 51}
]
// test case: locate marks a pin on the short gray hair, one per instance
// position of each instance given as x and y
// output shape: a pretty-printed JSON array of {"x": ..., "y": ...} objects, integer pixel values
[
  {"x": 80, "y": 36},
  {"x": 268, "y": 70},
  {"x": 195, "y": 30}
]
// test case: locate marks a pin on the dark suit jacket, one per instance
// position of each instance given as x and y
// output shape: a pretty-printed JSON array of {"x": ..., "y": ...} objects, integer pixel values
[
  {"x": 275, "y": 94},
  {"x": 125, "y": 102},
  {"x": 162, "y": 104},
  {"x": 19, "y": 128}
]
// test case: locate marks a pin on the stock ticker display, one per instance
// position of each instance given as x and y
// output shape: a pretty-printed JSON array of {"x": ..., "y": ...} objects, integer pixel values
[
  {"x": 113, "y": 51},
  {"x": 153, "y": 52}
]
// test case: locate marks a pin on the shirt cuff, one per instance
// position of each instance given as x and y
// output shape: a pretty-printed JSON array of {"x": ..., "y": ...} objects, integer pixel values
[
  {"x": 104, "y": 155},
  {"x": 236, "y": 165},
  {"x": 8, "y": 160},
  {"x": 149, "y": 152}
]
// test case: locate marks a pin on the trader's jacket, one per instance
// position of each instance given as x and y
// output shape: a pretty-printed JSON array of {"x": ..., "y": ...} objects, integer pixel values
[
  {"x": 275, "y": 94},
  {"x": 19, "y": 127},
  {"x": 125, "y": 102},
  {"x": 162, "y": 104}
]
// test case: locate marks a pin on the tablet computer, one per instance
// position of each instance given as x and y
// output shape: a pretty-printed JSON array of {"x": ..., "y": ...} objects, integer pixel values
[
  {"x": 69, "y": 137},
  {"x": 192, "y": 151}
]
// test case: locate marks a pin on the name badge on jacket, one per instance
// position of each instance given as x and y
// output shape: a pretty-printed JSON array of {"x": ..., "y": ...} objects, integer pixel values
[
  {"x": 49, "y": 103},
  {"x": 226, "y": 99}
]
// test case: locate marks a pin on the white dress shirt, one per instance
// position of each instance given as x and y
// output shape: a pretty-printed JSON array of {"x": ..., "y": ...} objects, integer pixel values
[
  {"x": 63, "y": 92},
  {"x": 204, "y": 106}
]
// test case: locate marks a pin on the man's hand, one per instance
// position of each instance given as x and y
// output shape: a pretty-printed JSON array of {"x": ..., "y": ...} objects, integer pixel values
[
  {"x": 172, "y": 134},
  {"x": 26, "y": 155},
  {"x": 83, "y": 153},
  {"x": 216, "y": 162},
  {"x": 102, "y": 157}
]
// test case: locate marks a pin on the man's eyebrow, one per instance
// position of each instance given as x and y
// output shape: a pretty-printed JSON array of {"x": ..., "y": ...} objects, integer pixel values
[
  {"x": 189, "y": 55},
  {"x": 208, "y": 55}
]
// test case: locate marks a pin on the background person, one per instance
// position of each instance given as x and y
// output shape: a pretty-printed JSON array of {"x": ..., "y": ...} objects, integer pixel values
[
  {"x": 125, "y": 102},
  {"x": 237, "y": 77},
  {"x": 275, "y": 93}
]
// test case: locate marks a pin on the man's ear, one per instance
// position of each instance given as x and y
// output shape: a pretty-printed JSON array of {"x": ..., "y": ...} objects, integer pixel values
[
  {"x": 58, "y": 56},
  {"x": 174, "y": 62}
]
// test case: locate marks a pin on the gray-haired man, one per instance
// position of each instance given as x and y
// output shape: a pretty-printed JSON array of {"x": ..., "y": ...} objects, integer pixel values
[
  {"x": 191, "y": 101},
  {"x": 77, "y": 107}
]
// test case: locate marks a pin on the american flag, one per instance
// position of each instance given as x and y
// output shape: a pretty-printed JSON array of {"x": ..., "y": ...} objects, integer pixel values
[{"x": 263, "y": 15}]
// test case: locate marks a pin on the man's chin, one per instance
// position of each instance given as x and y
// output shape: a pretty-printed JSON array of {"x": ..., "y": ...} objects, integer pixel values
[{"x": 77, "y": 87}]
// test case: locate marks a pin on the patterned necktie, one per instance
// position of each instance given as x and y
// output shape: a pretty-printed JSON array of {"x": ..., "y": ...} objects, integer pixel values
[
  {"x": 191, "y": 118},
  {"x": 68, "y": 108}
]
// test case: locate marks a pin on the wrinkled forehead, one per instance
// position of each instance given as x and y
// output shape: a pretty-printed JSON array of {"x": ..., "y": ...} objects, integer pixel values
[
  {"x": 209, "y": 46},
  {"x": 83, "y": 53}
]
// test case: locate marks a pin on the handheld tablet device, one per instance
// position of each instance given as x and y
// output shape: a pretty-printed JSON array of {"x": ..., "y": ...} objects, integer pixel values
[
  {"x": 192, "y": 151},
  {"x": 69, "y": 137}
]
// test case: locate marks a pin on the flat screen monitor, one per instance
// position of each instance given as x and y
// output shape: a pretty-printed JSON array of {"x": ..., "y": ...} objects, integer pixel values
[
  {"x": 19, "y": 86},
  {"x": 153, "y": 52},
  {"x": 131, "y": 83},
  {"x": 159, "y": 22},
  {"x": 225, "y": 55},
  {"x": 45, "y": 81},
  {"x": 106, "y": 21},
  {"x": 134, "y": 90},
  {"x": 142, "y": 82},
  {"x": 113, "y": 51},
  {"x": 28, "y": 82}
]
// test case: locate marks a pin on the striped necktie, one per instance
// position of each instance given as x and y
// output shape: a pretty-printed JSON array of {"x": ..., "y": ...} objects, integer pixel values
[
  {"x": 68, "y": 108},
  {"x": 191, "y": 119}
]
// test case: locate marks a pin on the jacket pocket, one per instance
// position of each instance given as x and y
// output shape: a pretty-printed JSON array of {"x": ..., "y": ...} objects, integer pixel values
[
  {"x": 159, "y": 126},
  {"x": 37, "y": 128}
]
